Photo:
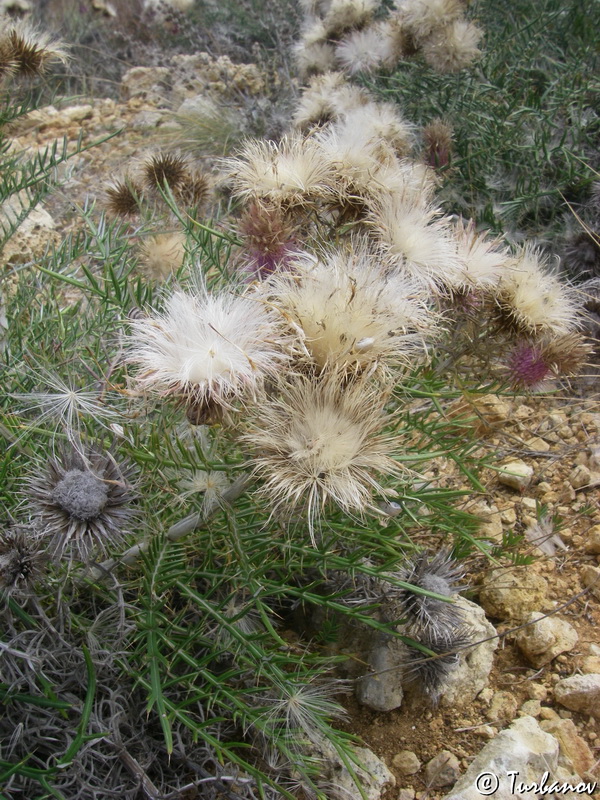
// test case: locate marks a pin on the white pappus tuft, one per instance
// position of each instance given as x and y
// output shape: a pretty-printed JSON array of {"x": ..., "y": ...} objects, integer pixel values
[
  {"x": 353, "y": 315},
  {"x": 534, "y": 300},
  {"x": 321, "y": 440},
  {"x": 208, "y": 348},
  {"x": 292, "y": 171}
]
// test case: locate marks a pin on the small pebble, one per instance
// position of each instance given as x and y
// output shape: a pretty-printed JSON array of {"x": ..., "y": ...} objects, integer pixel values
[{"x": 516, "y": 475}]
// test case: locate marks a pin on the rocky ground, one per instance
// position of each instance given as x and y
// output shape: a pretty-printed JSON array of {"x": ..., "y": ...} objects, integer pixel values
[{"x": 539, "y": 708}]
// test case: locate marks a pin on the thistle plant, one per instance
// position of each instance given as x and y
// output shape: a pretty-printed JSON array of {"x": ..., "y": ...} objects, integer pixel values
[{"x": 252, "y": 442}]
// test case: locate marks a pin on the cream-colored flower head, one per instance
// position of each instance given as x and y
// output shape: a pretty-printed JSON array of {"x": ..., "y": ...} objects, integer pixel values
[
  {"x": 162, "y": 255},
  {"x": 313, "y": 33},
  {"x": 453, "y": 47},
  {"x": 320, "y": 441},
  {"x": 313, "y": 54},
  {"x": 326, "y": 98},
  {"x": 418, "y": 241},
  {"x": 292, "y": 172},
  {"x": 344, "y": 15},
  {"x": 404, "y": 183},
  {"x": 314, "y": 59},
  {"x": 534, "y": 300},
  {"x": 353, "y": 315},
  {"x": 383, "y": 121},
  {"x": 399, "y": 38},
  {"x": 421, "y": 17},
  {"x": 354, "y": 151},
  {"x": 484, "y": 259},
  {"x": 366, "y": 50},
  {"x": 208, "y": 348},
  {"x": 26, "y": 51}
]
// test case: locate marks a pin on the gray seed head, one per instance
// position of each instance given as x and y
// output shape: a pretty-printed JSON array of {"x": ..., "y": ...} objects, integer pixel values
[
  {"x": 440, "y": 575},
  {"x": 81, "y": 494},
  {"x": 431, "y": 673},
  {"x": 82, "y": 503},
  {"x": 21, "y": 562}
]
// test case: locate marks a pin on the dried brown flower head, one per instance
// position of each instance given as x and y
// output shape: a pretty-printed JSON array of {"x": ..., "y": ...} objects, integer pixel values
[
  {"x": 31, "y": 52},
  {"x": 160, "y": 168},
  {"x": 194, "y": 190},
  {"x": 437, "y": 137},
  {"x": 122, "y": 198}
]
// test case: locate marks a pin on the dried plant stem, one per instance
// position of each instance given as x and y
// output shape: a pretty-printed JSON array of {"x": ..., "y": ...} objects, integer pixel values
[{"x": 175, "y": 532}]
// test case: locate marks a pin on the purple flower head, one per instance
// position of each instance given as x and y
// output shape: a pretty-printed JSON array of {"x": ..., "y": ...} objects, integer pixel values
[{"x": 527, "y": 365}]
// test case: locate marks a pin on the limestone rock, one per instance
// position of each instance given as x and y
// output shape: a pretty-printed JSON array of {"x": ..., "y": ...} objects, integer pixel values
[
  {"x": 580, "y": 693},
  {"x": 33, "y": 236},
  {"x": 516, "y": 475},
  {"x": 491, "y": 522},
  {"x": 524, "y": 748},
  {"x": 545, "y": 638},
  {"x": 537, "y": 444},
  {"x": 593, "y": 543},
  {"x": 493, "y": 409},
  {"x": 67, "y": 116},
  {"x": 594, "y": 459},
  {"x": 382, "y": 690},
  {"x": 374, "y": 776},
  {"x": 511, "y": 593},
  {"x": 146, "y": 119},
  {"x": 536, "y": 691},
  {"x": 148, "y": 83},
  {"x": 475, "y": 663},
  {"x": 406, "y": 762},
  {"x": 531, "y": 708},
  {"x": 502, "y": 708},
  {"x": 590, "y": 578},
  {"x": 442, "y": 770},
  {"x": 486, "y": 731},
  {"x": 590, "y": 664},
  {"x": 39, "y": 119},
  {"x": 406, "y": 794},
  {"x": 575, "y": 754},
  {"x": 579, "y": 476}
]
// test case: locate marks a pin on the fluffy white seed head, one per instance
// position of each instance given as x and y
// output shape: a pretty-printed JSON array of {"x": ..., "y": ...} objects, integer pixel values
[
  {"x": 421, "y": 17},
  {"x": 211, "y": 485},
  {"x": 453, "y": 47},
  {"x": 292, "y": 171},
  {"x": 353, "y": 315},
  {"x": 354, "y": 151},
  {"x": 536, "y": 300},
  {"x": 296, "y": 709},
  {"x": 326, "y": 98},
  {"x": 404, "y": 183},
  {"x": 208, "y": 348},
  {"x": 484, "y": 259},
  {"x": 319, "y": 441},
  {"x": 180, "y": 5},
  {"x": 162, "y": 255},
  {"x": 419, "y": 242},
  {"x": 343, "y": 15},
  {"x": 366, "y": 50},
  {"x": 383, "y": 121},
  {"x": 314, "y": 59},
  {"x": 26, "y": 51}
]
